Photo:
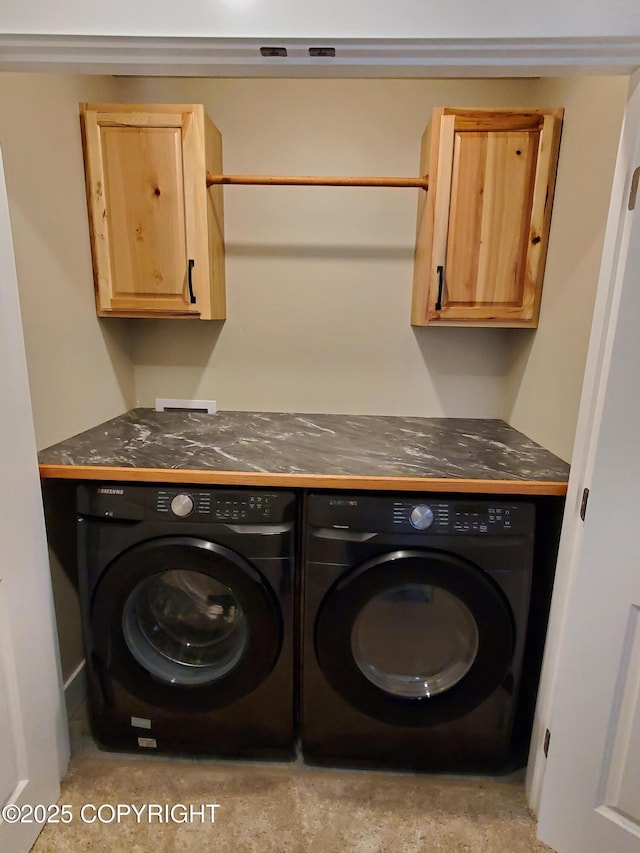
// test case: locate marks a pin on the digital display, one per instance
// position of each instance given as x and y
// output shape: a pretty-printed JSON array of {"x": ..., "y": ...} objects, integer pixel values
[{"x": 342, "y": 502}]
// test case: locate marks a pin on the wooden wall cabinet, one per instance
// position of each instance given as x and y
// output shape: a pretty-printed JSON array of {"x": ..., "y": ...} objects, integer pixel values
[
  {"x": 157, "y": 233},
  {"x": 483, "y": 224}
]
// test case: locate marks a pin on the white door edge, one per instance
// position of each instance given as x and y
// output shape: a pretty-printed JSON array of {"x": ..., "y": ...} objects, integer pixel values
[
  {"x": 33, "y": 726},
  {"x": 588, "y": 426}
]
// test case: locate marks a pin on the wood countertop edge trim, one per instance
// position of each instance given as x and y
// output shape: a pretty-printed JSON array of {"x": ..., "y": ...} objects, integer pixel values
[{"x": 302, "y": 481}]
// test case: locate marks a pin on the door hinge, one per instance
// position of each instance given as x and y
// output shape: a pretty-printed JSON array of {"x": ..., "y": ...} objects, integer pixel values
[
  {"x": 633, "y": 193},
  {"x": 583, "y": 503},
  {"x": 545, "y": 745}
]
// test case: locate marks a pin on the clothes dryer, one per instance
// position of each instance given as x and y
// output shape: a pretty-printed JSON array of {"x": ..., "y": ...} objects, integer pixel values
[
  {"x": 187, "y": 606},
  {"x": 414, "y": 625}
]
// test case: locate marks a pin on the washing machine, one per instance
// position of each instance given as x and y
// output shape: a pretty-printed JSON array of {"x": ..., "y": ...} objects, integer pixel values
[
  {"x": 187, "y": 605},
  {"x": 415, "y": 615}
]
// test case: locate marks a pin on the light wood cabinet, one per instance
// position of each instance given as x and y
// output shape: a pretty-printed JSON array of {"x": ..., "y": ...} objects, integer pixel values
[
  {"x": 156, "y": 230},
  {"x": 483, "y": 224}
]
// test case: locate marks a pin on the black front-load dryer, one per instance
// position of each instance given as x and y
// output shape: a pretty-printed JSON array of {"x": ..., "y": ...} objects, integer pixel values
[
  {"x": 415, "y": 615},
  {"x": 187, "y": 605}
]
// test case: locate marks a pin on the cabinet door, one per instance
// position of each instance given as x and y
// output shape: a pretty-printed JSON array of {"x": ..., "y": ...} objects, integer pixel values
[
  {"x": 483, "y": 228},
  {"x": 146, "y": 190}
]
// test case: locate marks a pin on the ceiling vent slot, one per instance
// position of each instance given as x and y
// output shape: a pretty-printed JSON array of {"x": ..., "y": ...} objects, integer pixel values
[
  {"x": 273, "y": 51},
  {"x": 322, "y": 51}
]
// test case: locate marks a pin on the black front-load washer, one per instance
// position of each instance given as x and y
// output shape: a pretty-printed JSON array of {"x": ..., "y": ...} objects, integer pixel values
[
  {"x": 187, "y": 605},
  {"x": 415, "y": 615}
]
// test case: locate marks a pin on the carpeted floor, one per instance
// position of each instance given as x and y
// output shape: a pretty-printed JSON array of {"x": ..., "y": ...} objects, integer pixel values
[{"x": 283, "y": 808}]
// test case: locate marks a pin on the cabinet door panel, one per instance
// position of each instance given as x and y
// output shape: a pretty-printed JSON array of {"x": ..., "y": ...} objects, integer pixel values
[
  {"x": 492, "y": 186},
  {"x": 145, "y": 208},
  {"x": 466, "y": 214}
]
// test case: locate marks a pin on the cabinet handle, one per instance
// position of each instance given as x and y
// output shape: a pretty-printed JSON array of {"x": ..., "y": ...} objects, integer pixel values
[
  {"x": 440, "y": 271},
  {"x": 192, "y": 296}
]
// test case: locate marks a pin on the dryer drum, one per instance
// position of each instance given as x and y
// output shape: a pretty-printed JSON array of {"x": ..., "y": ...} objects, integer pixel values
[
  {"x": 185, "y": 623},
  {"x": 415, "y": 638}
]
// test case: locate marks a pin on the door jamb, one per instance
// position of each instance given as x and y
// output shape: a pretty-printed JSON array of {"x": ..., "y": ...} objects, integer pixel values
[{"x": 588, "y": 427}]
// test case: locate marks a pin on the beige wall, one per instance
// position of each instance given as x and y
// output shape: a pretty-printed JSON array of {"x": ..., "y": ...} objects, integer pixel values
[
  {"x": 319, "y": 280},
  {"x": 80, "y": 371},
  {"x": 79, "y": 368},
  {"x": 547, "y": 365}
]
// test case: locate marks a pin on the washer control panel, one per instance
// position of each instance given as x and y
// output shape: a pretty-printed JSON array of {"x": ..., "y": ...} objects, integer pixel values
[
  {"x": 244, "y": 507},
  {"x": 429, "y": 515},
  {"x": 112, "y": 502}
]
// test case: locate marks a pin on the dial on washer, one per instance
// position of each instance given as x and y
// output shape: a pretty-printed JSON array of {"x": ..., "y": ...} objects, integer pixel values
[
  {"x": 421, "y": 517},
  {"x": 182, "y": 505}
]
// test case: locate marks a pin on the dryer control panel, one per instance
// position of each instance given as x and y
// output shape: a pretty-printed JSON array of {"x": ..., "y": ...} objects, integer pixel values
[
  {"x": 459, "y": 517},
  {"x": 424, "y": 514}
]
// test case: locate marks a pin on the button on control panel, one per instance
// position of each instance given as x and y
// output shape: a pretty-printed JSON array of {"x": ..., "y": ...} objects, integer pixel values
[
  {"x": 182, "y": 505},
  {"x": 233, "y": 507},
  {"x": 421, "y": 517}
]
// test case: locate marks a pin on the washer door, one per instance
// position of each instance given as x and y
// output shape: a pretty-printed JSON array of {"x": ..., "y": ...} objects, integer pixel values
[
  {"x": 415, "y": 638},
  {"x": 182, "y": 622}
]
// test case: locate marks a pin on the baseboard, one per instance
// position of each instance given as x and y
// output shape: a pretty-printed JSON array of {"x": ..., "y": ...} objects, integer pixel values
[{"x": 75, "y": 689}]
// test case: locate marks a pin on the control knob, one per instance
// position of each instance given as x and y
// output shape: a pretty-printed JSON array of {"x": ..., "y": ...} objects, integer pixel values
[
  {"x": 182, "y": 505},
  {"x": 421, "y": 517}
]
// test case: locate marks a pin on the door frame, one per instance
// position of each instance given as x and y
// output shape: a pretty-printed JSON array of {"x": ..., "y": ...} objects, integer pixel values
[
  {"x": 207, "y": 56},
  {"x": 33, "y": 715},
  {"x": 587, "y": 431},
  {"x": 422, "y": 58}
]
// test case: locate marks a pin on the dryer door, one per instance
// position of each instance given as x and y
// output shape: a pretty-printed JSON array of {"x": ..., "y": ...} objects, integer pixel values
[
  {"x": 183, "y": 622},
  {"x": 415, "y": 638}
]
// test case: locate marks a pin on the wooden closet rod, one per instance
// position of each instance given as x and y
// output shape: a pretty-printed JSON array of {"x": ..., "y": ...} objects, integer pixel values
[{"x": 313, "y": 181}]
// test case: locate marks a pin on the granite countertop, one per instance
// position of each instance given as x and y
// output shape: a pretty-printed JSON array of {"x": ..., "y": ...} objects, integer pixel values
[{"x": 272, "y": 448}]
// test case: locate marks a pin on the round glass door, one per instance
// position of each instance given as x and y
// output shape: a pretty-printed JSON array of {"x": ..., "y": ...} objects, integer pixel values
[
  {"x": 181, "y": 622},
  {"x": 185, "y": 627},
  {"x": 414, "y": 637},
  {"x": 414, "y": 641}
]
